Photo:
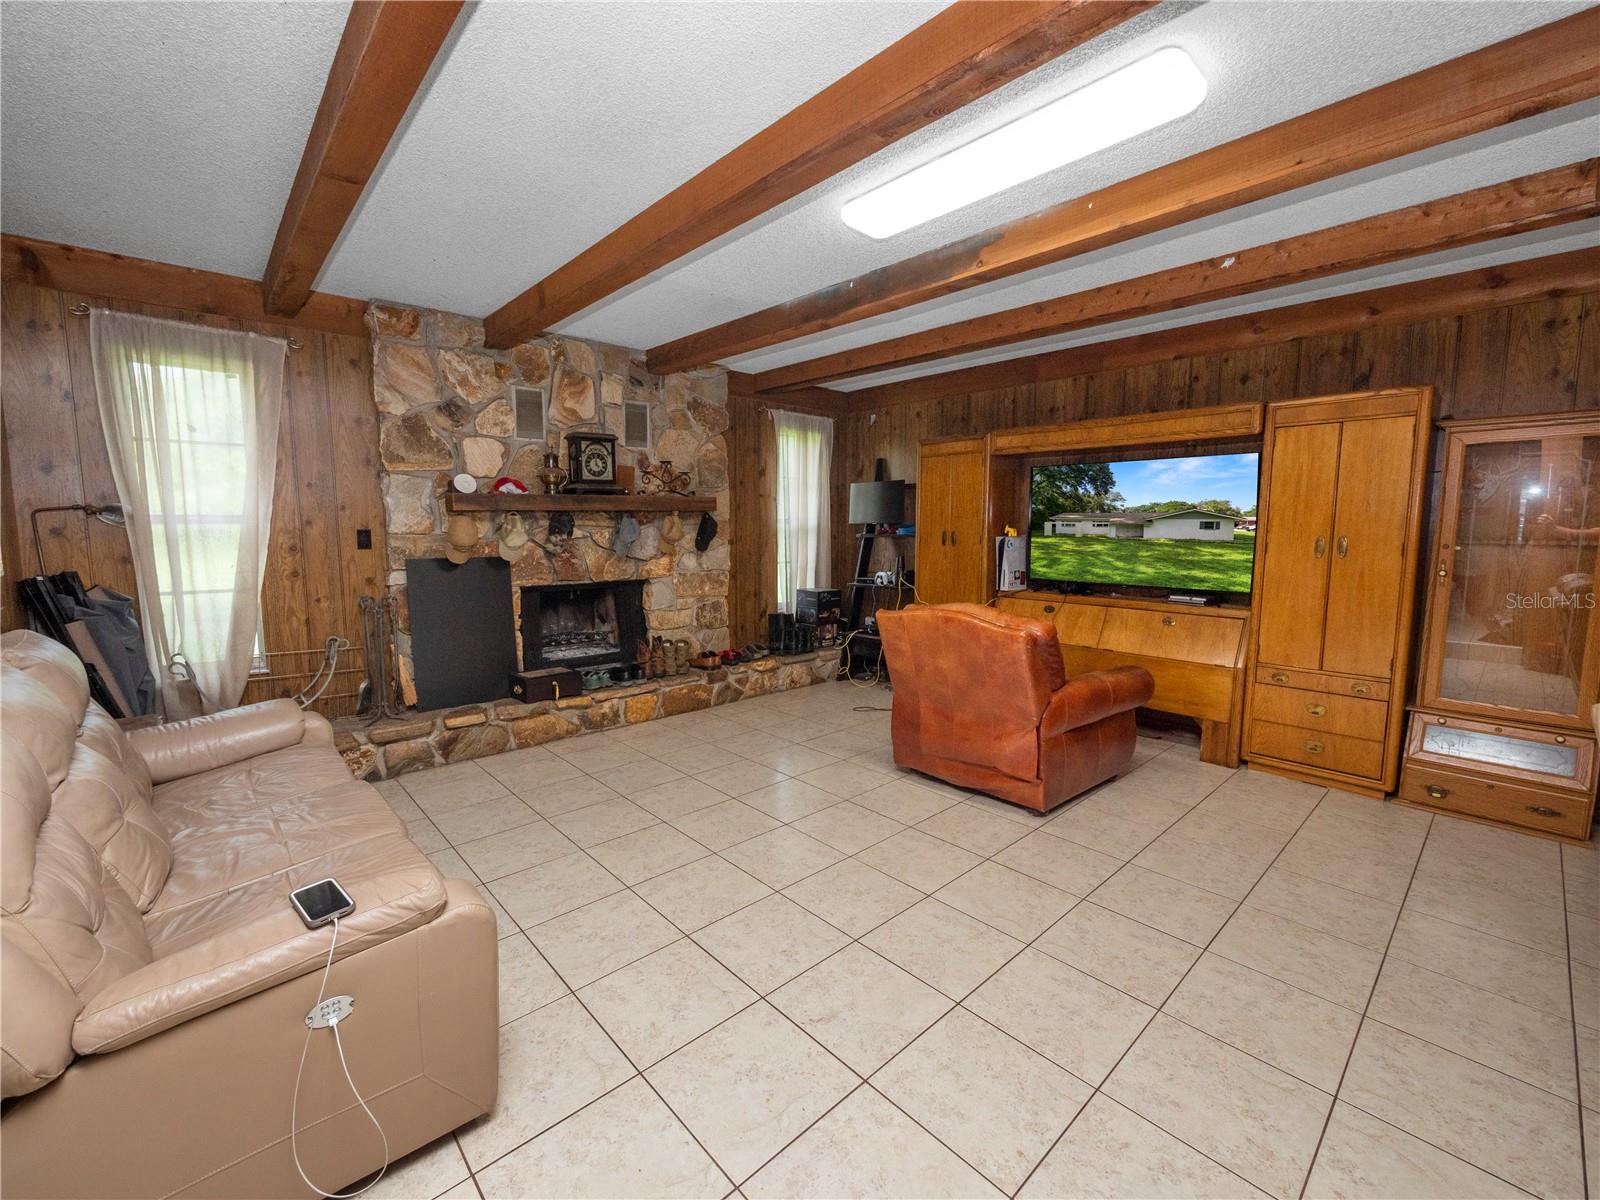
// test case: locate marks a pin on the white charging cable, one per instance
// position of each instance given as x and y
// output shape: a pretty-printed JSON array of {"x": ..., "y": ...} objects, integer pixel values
[{"x": 294, "y": 1108}]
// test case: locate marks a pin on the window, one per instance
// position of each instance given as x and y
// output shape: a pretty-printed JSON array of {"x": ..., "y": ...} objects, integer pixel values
[
  {"x": 191, "y": 421},
  {"x": 805, "y": 452},
  {"x": 1210, "y": 524}
]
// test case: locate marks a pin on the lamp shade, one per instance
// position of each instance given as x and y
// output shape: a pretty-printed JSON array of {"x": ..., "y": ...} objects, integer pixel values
[{"x": 879, "y": 503}]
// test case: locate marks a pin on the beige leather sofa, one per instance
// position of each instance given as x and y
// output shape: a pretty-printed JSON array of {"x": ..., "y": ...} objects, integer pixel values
[{"x": 154, "y": 980}]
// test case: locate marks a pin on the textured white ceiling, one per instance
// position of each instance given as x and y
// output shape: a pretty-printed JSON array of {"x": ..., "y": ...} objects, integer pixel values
[
  {"x": 550, "y": 124},
  {"x": 172, "y": 131},
  {"x": 1265, "y": 63},
  {"x": 169, "y": 131}
]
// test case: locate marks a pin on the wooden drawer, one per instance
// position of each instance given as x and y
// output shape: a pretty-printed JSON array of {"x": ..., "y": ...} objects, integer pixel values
[
  {"x": 1325, "y": 751},
  {"x": 1496, "y": 800},
  {"x": 1191, "y": 689},
  {"x": 1328, "y": 712},
  {"x": 1076, "y": 624},
  {"x": 1186, "y": 637},
  {"x": 1316, "y": 681}
]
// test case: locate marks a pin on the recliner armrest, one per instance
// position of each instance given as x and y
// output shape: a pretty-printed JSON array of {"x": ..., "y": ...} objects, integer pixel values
[
  {"x": 183, "y": 748},
  {"x": 268, "y": 946},
  {"x": 1093, "y": 697}
]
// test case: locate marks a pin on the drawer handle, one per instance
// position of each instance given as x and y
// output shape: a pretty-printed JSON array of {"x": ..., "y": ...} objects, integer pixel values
[
  {"x": 1049, "y": 608},
  {"x": 1361, "y": 689},
  {"x": 1169, "y": 620},
  {"x": 1279, "y": 677},
  {"x": 1317, "y": 710},
  {"x": 1314, "y": 747},
  {"x": 1437, "y": 792},
  {"x": 1539, "y": 810},
  {"x": 1344, "y": 546},
  {"x": 1319, "y": 547}
]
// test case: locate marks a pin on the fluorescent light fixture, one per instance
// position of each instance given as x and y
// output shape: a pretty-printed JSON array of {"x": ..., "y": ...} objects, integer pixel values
[{"x": 1126, "y": 103}]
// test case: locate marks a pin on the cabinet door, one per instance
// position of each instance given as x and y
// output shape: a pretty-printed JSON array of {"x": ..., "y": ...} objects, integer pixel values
[
  {"x": 1296, "y": 544},
  {"x": 935, "y": 556},
  {"x": 969, "y": 526},
  {"x": 1367, "y": 571}
]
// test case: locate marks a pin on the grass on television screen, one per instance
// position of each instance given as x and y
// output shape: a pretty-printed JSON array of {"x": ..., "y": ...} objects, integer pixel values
[{"x": 1145, "y": 562}]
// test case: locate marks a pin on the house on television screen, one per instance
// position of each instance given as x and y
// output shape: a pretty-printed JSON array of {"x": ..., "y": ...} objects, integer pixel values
[{"x": 1189, "y": 525}]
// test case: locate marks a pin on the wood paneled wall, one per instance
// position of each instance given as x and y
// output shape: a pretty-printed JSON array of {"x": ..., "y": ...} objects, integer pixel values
[
  {"x": 326, "y": 488},
  {"x": 1528, "y": 358},
  {"x": 753, "y": 503}
]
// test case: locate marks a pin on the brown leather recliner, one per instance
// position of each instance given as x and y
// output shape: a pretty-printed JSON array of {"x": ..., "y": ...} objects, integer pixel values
[
  {"x": 154, "y": 980},
  {"x": 982, "y": 701}
]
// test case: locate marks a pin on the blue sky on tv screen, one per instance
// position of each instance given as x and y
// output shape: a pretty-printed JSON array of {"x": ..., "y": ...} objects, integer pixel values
[{"x": 1230, "y": 477}]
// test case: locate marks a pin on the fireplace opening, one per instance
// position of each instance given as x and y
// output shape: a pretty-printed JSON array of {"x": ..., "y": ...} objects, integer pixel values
[{"x": 583, "y": 626}]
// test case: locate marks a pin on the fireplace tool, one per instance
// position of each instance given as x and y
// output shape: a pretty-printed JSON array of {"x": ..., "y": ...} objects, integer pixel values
[{"x": 376, "y": 697}]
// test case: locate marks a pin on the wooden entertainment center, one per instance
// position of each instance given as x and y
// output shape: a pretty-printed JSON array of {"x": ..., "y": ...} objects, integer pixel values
[{"x": 1310, "y": 679}]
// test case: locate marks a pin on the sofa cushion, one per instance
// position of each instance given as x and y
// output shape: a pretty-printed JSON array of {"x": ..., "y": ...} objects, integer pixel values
[
  {"x": 249, "y": 820},
  {"x": 73, "y": 928},
  {"x": 101, "y": 787},
  {"x": 221, "y": 948}
]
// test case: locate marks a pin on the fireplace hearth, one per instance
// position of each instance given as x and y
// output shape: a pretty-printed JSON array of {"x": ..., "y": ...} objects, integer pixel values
[{"x": 583, "y": 626}]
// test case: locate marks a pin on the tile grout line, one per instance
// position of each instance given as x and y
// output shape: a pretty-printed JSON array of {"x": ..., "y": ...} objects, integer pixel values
[
  {"x": 1160, "y": 1009},
  {"x": 1365, "y": 1009},
  {"x": 1577, "y": 1049}
]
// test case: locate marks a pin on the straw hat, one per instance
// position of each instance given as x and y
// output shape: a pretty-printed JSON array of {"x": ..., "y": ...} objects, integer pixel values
[
  {"x": 462, "y": 531},
  {"x": 513, "y": 537}
]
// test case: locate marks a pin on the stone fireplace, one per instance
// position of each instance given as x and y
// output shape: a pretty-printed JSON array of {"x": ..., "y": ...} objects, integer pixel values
[
  {"x": 582, "y": 626},
  {"x": 445, "y": 406}
]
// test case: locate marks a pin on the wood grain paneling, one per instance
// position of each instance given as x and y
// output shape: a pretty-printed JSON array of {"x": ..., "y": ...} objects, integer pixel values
[
  {"x": 326, "y": 488},
  {"x": 1540, "y": 356}
]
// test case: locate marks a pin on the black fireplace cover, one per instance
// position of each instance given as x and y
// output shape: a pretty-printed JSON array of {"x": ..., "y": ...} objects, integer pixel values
[{"x": 463, "y": 634}]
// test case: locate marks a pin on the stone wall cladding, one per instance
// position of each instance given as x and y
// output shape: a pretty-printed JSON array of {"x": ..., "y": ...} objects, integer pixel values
[
  {"x": 444, "y": 407},
  {"x": 421, "y": 740}
]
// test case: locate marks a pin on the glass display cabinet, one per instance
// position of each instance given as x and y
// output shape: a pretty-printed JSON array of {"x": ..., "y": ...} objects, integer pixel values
[{"x": 1504, "y": 724}]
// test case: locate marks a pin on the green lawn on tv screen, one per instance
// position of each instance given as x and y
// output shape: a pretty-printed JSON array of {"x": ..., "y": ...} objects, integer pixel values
[{"x": 1146, "y": 562}]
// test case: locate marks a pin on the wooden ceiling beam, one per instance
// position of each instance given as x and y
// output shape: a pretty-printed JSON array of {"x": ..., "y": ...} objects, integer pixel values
[
  {"x": 142, "y": 281},
  {"x": 1546, "y": 68},
  {"x": 966, "y": 51},
  {"x": 384, "y": 54},
  {"x": 818, "y": 401},
  {"x": 1554, "y": 197},
  {"x": 1552, "y": 276}
]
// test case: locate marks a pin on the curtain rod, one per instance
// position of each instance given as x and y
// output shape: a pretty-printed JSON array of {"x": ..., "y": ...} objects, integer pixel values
[{"x": 80, "y": 309}]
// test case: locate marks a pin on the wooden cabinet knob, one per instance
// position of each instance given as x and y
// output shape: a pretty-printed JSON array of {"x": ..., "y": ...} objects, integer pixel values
[
  {"x": 1317, "y": 710},
  {"x": 1169, "y": 620},
  {"x": 1314, "y": 747},
  {"x": 1049, "y": 608},
  {"x": 1279, "y": 677},
  {"x": 1360, "y": 689},
  {"x": 1344, "y": 546},
  {"x": 1437, "y": 792},
  {"x": 1319, "y": 547}
]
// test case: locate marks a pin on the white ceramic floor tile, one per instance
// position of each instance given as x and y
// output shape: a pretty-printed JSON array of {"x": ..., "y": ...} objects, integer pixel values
[
  {"x": 771, "y": 941},
  {"x": 1303, "y": 957},
  {"x": 1164, "y": 903},
  {"x": 919, "y": 859},
  {"x": 996, "y": 1103},
  {"x": 513, "y": 850},
  {"x": 1250, "y": 1117},
  {"x": 867, "y": 1147},
  {"x": 646, "y": 853},
  {"x": 666, "y": 999},
  {"x": 1134, "y": 958},
  {"x": 789, "y": 800},
  {"x": 750, "y": 1086},
  {"x": 728, "y": 823},
  {"x": 1113, "y": 1153},
  {"x": 942, "y": 947},
  {"x": 848, "y": 827},
  {"x": 1362, "y": 1157},
  {"x": 692, "y": 897},
  {"x": 1010, "y": 901},
  {"x": 594, "y": 940},
  {"x": 542, "y": 893},
  {"x": 782, "y": 856},
  {"x": 552, "y": 1062},
  {"x": 526, "y": 980},
  {"x": 1058, "y": 862},
  {"x": 860, "y": 1006},
  {"x": 603, "y": 821},
  {"x": 626, "y": 1144},
  {"x": 973, "y": 829},
  {"x": 1511, "y": 1129},
  {"x": 1071, "y": 1018},
  {"x": 853, "y": 896}
]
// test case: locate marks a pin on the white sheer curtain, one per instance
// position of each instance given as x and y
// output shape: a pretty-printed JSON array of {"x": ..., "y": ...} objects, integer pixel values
[
  {"x": 805, "y": 457},
  {"x": 191, "y": 424}
]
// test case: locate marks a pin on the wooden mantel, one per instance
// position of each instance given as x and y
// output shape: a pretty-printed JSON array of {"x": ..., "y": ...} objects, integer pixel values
[{"x": 572, "y": 502}]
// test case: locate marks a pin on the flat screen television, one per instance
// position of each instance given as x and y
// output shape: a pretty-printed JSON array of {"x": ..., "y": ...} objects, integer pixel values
[{"x": 1147, "y": 527}]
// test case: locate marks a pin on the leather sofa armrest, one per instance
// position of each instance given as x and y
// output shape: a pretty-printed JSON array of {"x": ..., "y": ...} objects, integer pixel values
[
  {"x": 1093, "y": 697},
  {"x": 183, "y": 748},
  {"x": 268, "y": 948}
]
